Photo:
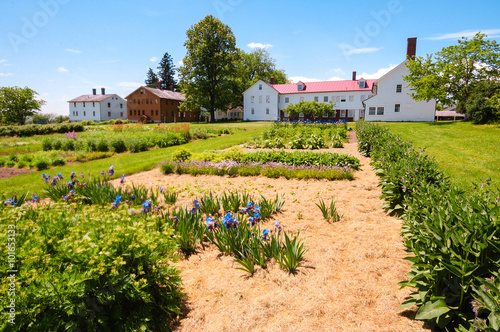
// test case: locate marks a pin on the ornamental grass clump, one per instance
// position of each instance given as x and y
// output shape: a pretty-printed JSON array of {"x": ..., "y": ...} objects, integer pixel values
[{"x": 330, "y": 213}]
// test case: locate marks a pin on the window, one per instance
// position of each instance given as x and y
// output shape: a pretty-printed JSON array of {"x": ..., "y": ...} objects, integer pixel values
[
  {"x": 268, "y": 99},
  {"x": 350, "y": 114},
  {"x": 342, "y": 113},
  {"x": 135, "y": 113},
  {"x": 121, "y": 114},
  {"x": 260, "y": 86},
  {"x": 130, "y": 112},
  {"x": 253, "y": 110},
  {"x": 156, "y": 101},
  {"x": 74, "y": 104},
  {"x": 399, "y": 88},
  {"x": 147, "y": 101},
  {"x": 351, "y": 98},
  {"x": 152, "y": 112},
  {"x": 142, "y": 91},
  {"x": 260, "y": 99},
  {"x": 252, "y": 99},
  {"x": 267, "y": 110},
  {"x": 342, "y": 99},
  {"x": 397, "y": 108},
  {"x": 83, "y": 104},
  {"x": 109, "y": 105},
  {"x": 316, "y": 98},
  {"x": 300, "y": 87},
  {"x": 84, "y": 113},
  {"x": 93, "y": 113},
  {"x": 287, "y": 100},
  {"x": 76, "y": 113},
  {"x": 380, "y": 111},
  {"x": 337, "y": 99},
  {"x": 156, "y": 112},
  {"x": 73, "y": 113},
  {"x": 121, "y": 105},
  {"x": 361, "y": 84},
  {"x": 143, "y": 112},
  {"x": 109, "y": 114},
  {"x": 93, "y": 104},
  {"x": 371, "y": 111},
  {"x": 325, "y": 99},
  {"x": 301, "y": 98}
]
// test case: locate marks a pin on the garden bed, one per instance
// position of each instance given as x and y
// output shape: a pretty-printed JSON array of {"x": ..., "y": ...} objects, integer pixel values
[{"x": 346, "y": 283}]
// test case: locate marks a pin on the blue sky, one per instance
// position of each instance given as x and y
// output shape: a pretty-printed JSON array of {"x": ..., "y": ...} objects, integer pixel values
[{"x": 64, "y": 48}]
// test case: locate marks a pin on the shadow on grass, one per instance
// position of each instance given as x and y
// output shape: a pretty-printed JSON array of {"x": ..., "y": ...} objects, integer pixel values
[
  {"x": 411, "y": 313},
  {"x": 443, "y": 123}
]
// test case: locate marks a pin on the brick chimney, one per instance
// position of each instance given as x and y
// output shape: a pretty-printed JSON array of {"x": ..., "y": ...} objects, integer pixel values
[
  {"x": 103, "y": 91},
  {"x": 159, "y": 85},
  {"x": 94, "y": 92},
  {"x": 354, "y": 75},
  {"x": 171, "y": 88},
  {"x": 272, "y": 80},
  {"x": 411, "y": 48}
]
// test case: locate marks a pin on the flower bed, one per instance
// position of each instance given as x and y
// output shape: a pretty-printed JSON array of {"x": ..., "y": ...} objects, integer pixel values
[
  {"x": 269, "y": 169},
  {"x": 452, "y": 235}
]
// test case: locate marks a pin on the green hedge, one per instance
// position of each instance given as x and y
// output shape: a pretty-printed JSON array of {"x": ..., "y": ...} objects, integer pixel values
[
  {"x": 35, "y": 129},
  {"x": 452, "y": 236}
]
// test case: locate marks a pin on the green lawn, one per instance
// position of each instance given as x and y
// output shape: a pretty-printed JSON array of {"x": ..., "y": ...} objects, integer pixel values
[
  {"x": 125, "y": 164},
  {"x": 466, "y": 152}
]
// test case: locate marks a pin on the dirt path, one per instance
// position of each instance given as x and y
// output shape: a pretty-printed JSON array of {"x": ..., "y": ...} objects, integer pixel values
[{"x": 347, "y": 283}]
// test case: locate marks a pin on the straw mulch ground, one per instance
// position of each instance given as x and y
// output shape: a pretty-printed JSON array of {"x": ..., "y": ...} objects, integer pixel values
[{"x": 347, "y": 283}]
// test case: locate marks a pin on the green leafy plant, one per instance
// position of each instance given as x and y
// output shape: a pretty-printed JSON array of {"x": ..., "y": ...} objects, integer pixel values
[
  {"x": 330, "y": 213},
  {"x": 292, "y": 254}
]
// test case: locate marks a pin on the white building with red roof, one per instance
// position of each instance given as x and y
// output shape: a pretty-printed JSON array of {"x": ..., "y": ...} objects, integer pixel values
[
  {"x": 265, "y": 102},
  {"x": 384, "y": 99},
  {"x": 97, "y": 107}
]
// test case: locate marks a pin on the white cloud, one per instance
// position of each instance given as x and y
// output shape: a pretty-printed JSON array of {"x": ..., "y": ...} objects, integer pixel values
[
  {"x": 70, "y": 50},
  {"x": 259, "y": 45},
  {"x": 336, "y": 78},
  {"x": 3, "y": 60},
  {"x": 296, "y": 79},
  {"x": 350, "y": 50},
  {"x": 465, "y": 33},
  {"x": 180, "y": 63},
  {"x": 129, "y": 85},
  {"x": 62, "y": 70},
  {"x": 153, "y": 59},
  {"x": 378, "y": 74},
  {"x": 5, "y": 74}
]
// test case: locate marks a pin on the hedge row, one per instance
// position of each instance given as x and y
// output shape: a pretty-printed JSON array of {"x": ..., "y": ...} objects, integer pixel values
[
  {"x": 452, "y": 236},
  {"x": 36, "y": 129}
]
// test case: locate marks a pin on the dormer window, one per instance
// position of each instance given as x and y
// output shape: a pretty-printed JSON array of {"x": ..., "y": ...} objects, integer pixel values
[
  {"x": 362, "y": 83},
  {"x": 260, "y": 86},
  {"x": 301, "y": 86}
]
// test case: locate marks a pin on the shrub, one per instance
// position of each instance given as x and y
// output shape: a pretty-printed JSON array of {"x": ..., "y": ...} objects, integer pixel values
[
  {"x": 41, "y": 164},
  {"x": 182, "y": 155},
  {"x": 167, "y": 168},
  {"x": 58, "y": 162},
  {"x": 118, "y": 145},
  {"x": 69, "y": 145},
  {"x": 22, "y": 164},
  {"x": 47, "y": 144},
  {"x": 10, "y": 163},
  {"x": 57, "y": 144},
  {"x": 234, "y": 153},
  {"x": 102, "y": 145}
]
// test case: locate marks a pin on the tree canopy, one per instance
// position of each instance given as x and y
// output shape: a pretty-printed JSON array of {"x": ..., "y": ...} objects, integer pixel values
[
  {"x": 207, "y": 74},
  {"x": 483, "y": 106},
  {"x": 312, "y": 108},
  {"x": 16, "y": 104},
  {"x": 450, "y": 75}
]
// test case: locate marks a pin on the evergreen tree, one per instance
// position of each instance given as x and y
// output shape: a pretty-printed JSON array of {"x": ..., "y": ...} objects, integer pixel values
[
  {"x": 166, "y": 72},
  {"x": 151, "y": 79}
]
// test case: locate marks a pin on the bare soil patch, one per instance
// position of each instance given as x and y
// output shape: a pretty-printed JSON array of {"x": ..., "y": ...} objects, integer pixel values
[
  {"x": 347, "y": 283},
  {"x": 7, "y": 172}
]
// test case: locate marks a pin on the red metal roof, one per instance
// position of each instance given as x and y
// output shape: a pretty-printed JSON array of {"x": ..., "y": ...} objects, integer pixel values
[
  {"x": 166, "y": 94},
  {"x": 328, "y": 86}
]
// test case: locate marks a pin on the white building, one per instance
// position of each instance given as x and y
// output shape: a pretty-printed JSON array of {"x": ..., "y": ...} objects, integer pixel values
[
  {"x": 265, "y": 102},
  {"x": 385, "y": 99},
  {"x": 97, "y": 108}
]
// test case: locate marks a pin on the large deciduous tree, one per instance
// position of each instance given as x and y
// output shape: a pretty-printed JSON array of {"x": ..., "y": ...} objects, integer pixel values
[
  {"x": 16, "y": 104},
  {"x": 257, "y": 65},
  {"x": 483, "y": 106},
  {"x": 209, "y": 67},
  {"x": 166, "y": 73},
  {"x": 450, "y": 75},
  {"x": 151, "y": 79}
]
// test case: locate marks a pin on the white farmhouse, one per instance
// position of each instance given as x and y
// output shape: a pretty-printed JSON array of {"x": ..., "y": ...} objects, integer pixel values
[
  {"x": 385, "y": 99},
  {"x": 265, "y": 102},
  {"x": 391, "y": 101},
  {"x": 97, "y": 108}
]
